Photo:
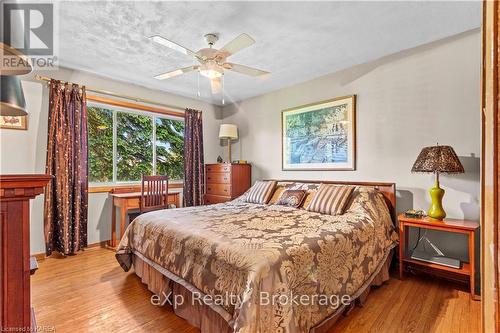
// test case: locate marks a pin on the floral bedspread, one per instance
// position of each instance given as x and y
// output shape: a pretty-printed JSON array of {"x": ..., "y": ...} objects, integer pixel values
[{"x": 267, "y": 256}]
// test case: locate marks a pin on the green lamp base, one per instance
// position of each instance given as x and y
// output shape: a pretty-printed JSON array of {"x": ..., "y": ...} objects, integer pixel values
[{"x": 436, "y": 210}]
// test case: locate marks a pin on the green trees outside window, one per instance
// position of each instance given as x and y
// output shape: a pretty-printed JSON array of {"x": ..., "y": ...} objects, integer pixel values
[
  {"x": 134, "y": 146},
  {"x": 144, "y": 144},
  {"x": 170, "y": 148},
  {"x": 100, "y": 143}
]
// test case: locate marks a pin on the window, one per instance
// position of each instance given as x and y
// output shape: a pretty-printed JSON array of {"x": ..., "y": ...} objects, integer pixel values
[
  {"x": 100, "y": 143},
  {"x": 123, "y": 145},
  {"x": 134, "y": 146},
  {"x": 170, "y": 148}
]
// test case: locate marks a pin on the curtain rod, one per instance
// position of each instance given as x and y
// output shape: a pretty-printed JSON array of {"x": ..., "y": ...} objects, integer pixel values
[{"x": 104, "y": 92}]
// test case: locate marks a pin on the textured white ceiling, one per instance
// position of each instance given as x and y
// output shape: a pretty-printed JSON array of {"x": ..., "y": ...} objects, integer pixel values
[{"x": 295, "y": 41}]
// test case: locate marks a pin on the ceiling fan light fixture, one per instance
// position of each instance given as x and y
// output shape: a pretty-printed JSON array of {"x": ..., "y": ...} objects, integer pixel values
[
  {"x": 212, "y": 61},
  {"x": 211, "y": 70}
]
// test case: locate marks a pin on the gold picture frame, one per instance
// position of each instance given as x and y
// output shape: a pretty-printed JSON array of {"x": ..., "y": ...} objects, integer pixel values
[
  {"x": 320, "y": 136},
  {"x": 14, "y": 122}
]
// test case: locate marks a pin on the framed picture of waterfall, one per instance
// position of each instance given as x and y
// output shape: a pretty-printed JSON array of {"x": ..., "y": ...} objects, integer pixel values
[{"x": 320, "y": 136}]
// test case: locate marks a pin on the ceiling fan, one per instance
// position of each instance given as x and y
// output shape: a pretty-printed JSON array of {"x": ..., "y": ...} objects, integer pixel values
[{"x": 212, "y": 61}]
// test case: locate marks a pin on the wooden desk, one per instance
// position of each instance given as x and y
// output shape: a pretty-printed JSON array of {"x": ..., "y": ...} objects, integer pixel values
[
  {"x": 449, "y": 225},
  {"x": 127, "y": 201}
]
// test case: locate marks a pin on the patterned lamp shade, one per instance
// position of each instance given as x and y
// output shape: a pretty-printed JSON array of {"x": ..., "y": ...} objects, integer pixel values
[{"x": 442, "y": 159}]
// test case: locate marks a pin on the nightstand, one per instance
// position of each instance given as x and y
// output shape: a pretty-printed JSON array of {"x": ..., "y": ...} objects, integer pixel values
[{"x": 448, "y": 225}]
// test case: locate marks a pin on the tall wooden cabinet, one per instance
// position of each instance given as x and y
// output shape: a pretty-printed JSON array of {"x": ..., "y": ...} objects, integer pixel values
[
  {"x": 224, "y": 181},
  {"x": 15, "y": 299}
]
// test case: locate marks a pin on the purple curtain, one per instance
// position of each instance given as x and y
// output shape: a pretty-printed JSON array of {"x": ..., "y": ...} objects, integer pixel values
[
  {"x": 194, "y": 172},
  {"x": 66, "y": 196}
]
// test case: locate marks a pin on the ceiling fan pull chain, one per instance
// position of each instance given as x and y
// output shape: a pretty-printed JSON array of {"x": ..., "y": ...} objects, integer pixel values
[
  {"x": 223, "y": 101},
  {"x": 199, "y": 84}
]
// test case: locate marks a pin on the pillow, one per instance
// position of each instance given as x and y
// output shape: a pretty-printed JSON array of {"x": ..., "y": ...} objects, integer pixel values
[
  {"x": 261, "y": 192},
  {"x": 310, "y": 189},
  {"x": 302, "y": 186},
  {"x": 277, "y": 194},
  {"x": 291, "y": 198},
  {"x": 308, "y": 198},
  {"x": 330, "y": 199}
]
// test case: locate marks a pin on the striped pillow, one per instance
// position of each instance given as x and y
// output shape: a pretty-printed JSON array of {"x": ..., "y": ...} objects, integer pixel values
[
  {"x": 330, "y": 199},
  {"x": 260, "y": 192}
]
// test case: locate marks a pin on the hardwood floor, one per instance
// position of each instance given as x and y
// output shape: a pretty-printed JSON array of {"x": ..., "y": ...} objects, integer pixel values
[{"x": 89, "y": 292}]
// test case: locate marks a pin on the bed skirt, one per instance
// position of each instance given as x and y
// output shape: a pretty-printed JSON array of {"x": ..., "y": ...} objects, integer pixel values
[{"x": 213, "y": 318}]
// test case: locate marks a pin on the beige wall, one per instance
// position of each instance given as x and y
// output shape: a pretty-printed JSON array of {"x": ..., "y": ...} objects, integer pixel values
[
  {"x": 404, "y": 102},
  {"x": 25, "y": 151}
]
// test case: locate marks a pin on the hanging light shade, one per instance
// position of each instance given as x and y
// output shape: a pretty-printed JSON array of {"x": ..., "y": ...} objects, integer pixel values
[
  {"x": 12, "y": 101},
  {"x": 13, "y": 62}
]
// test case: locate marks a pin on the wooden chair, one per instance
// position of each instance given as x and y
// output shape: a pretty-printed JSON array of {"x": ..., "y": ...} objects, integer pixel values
[{"x": 154, "y": 193}]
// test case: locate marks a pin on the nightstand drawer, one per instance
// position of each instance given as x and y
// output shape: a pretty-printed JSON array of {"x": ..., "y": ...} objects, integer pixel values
[
  {"x": 223, "y": 168},
  {"x": 218, "y": 178},
  {"x": 219, "y": 189},
  {"x": 214, "y": 199}
]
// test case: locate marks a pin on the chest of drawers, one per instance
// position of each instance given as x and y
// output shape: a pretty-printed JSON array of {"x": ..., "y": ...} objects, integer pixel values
[{"x": 224, "y": 181}]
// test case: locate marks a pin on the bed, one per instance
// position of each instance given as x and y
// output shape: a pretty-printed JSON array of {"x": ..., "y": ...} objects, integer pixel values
[{"x": 241, "y": 267}]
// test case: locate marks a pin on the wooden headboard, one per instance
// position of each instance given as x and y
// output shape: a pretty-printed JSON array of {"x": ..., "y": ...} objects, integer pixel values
[{"x": 388, "y": 190}]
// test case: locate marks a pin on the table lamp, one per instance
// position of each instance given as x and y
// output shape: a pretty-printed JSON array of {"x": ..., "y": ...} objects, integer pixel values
[
  {"x": 437, "y": 159},
  {"x": 229, "y": 132}
]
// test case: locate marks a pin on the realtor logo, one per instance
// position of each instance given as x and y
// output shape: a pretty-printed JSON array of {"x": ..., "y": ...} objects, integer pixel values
[{"x": 29, "y": 28}]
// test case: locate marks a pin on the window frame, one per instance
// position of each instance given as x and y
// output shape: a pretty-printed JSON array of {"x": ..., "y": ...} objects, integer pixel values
[{"x": 114, "y": 107}]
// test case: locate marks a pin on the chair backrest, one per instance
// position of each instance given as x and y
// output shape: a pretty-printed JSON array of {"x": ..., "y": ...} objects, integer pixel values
[{"x": 154, "y": 193}]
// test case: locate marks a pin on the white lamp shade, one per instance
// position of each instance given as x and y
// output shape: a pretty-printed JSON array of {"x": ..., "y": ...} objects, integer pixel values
[{"x": 228, "y": 131}]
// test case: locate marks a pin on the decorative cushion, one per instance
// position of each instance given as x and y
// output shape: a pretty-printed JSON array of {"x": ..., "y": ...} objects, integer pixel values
[
  {"x": 330, "y": 199},
  {"x": 307, "y": 200},
  {"x": 277, "y": 194},
  {"x": 291, "y": 198},
  {"x": 302, "y": 186},
  {"x": 260, "y": 192}
]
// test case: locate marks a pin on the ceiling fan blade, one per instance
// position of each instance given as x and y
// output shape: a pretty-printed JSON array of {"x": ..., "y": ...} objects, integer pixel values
[
  {"x": 174, "y": 46},
  {"x": 237, "y": 44},
  {"x": 216, "y": 85},
  {"x": 177, "y": 72},
  {"x": 244, "y": 69}
]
